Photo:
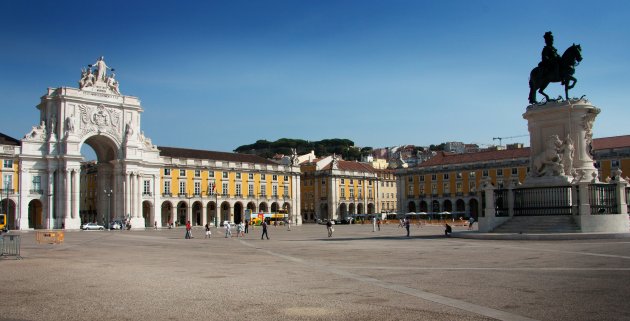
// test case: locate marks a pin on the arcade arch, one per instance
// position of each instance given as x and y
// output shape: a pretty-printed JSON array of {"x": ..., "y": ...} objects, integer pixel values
[{"x": 35, "y": 217}]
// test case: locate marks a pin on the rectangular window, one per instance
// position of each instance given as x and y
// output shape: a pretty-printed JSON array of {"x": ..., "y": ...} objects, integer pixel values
[
  {"x": 263, "y": 177},
  {"x": 225, "y": 189},
  {"x": 197, "y": 188},
  {"x": 263, "y": 190},
  {"x": 211, "y": 174},
  {"x": 472, "y": 187},
  {"x": 370, "y": 193},
  {"x": 323, "y": 181},
  {"x": 434, "y": 177},
  {"x": 472, "y": 174},
  {"x": 369, "y": 183},
  {"x": 410, "y": 179},
  {"x": 446, "y": 176},
  {"x": 251, "y": 176},
  {"x": 250, "y": 190},
  {"x": 434, "y": 189},
  {"x": 351, "y": 181},
  {"x": 514, "y": 171},
  {"x": 286, "y": 178},
  {"x": 447, "y": 188},
  {"x": 7, "y": 181},
  {"x": 343, "y": 192},
  {"x": 500, "y": 172},
  {"x": 352, "y": 193},
  {"x": 225, "y": 174},
  {"x": 484, "y": 173},
  {"x": 8, "y": 163},
  {"x": 212, "y": 188},
  {"x": 197, "y": 173},
  {"x": 285, "y": 192},
  {"x": 238, "y": 175},
  {"x": 421, "y": 189},
  {"x": 410, "y": 190},
  {"x": 360, "y": 194},
  {"x": 274, "y": 178},
  {"x": 422, "y": 178},
  {"x": 146, "y": 188},
  {"x": 459, "y": 187},
  {"x": 360, "y": 182},
  {"x": 37, "y": 183},
  {"x": 182, "y": 188},
  {"x": 167, "y": 187},
  {"x": 614, "y": 163},
  {"x": 182, "y": 173},
  {"x": 167, "y": 172},
  {"x": 274, "y": 191},
  {"x": 238, "y": 190},
  {"x": 343, "y": 181}
]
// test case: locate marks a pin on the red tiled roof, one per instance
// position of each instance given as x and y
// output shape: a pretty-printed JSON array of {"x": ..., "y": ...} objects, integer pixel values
[
  {"x": 352, "y": 166},
  {"x": 8, "y": 140},
  {"x": 444, "y": 158},
  {"x": 611, "y": 142},
  {"x": 206, "y": 154}
]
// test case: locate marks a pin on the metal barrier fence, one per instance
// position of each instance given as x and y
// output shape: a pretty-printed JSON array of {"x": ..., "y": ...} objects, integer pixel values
[
  {"x": 11, "y": 246},
  {"x": 540, "y": 201},
  {"x": 603, "y": 198},
  {"x": 501, "y": 202},
  {"x": 49, "y": 237}
]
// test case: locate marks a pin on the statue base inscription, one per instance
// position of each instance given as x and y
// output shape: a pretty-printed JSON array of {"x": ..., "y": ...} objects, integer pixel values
[{"x": 561, "y": 136}]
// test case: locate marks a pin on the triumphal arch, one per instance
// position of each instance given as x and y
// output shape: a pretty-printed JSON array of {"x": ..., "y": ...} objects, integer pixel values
[{"x": 98, "y": 114}]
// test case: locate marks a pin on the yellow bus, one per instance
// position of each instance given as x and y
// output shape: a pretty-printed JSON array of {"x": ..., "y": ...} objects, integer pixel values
[{"x": 3, "y": 222}]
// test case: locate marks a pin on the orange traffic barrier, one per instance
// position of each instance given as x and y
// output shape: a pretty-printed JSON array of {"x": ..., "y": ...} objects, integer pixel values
[{"x": 49, "y": 237}]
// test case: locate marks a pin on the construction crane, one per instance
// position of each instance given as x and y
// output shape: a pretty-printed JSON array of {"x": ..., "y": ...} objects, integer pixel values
[{"x": 500, "y": 139}]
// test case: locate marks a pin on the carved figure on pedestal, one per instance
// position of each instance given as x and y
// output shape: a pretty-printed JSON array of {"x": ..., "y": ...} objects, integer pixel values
[
  {"x": 101, "y": 69},
  {"x": 53, "y": 124},
  {"x": 294, "y": 157},
  {"x": 554, "y": 69},
  {"x": 549, "y": 161},
  {"x": 113, "y": 83},
  {"x": 87, "y": 78},
  {"x": 567, "y": 151},
  {"x": 69, "y": 126}
]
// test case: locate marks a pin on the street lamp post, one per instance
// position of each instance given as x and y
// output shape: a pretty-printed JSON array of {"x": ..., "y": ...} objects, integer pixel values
[{"x": 109, "y": 204}]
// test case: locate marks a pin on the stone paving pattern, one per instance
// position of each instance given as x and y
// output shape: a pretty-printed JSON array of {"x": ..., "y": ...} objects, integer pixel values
[{"x": 304, "y": 275}]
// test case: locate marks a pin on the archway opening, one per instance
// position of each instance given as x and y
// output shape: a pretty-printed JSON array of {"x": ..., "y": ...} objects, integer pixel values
[
  {"x": 35, "y": 215},
  {"x": 167, "y": 213},
  {"x": 8, "y": 206},
  {"x": 196, "y": 213},
  {"x": 238, "y": 212},
  {"x": 147, "y": 214},
  {"x": 181, "y": 213},
  {"x": 225, "y": 212},
  {"x": 100, "y": 200},
  {"x": 211, "y": 213}
]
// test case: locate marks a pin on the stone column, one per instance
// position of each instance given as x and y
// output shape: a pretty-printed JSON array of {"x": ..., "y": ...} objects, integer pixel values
[
  {"x": 22, "y": 208},
  {"x": 67, "y": 195},
  {"x": 127, "y": 193},
  {"x": 50, "y": 192},
  {"x": 204, "y": 211}
]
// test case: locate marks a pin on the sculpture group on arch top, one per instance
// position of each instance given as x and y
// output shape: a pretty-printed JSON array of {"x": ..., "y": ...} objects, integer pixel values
[{"x": 100, "y": 80}]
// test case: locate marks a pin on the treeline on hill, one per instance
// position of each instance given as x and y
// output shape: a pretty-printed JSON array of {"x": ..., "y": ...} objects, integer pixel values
[{"x": 325, "y": 147}]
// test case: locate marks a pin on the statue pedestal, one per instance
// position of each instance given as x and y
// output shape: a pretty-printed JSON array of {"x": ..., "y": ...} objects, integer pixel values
[{"x": 560, "y": 140}]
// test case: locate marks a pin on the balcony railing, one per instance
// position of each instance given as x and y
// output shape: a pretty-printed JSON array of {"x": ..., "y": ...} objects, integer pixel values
[
  {"x": 36, "y": 191},
  {"x": 4, "y": 191},
  {"x": 166, "y": 194},
  {"x": 147, "y": 194}
]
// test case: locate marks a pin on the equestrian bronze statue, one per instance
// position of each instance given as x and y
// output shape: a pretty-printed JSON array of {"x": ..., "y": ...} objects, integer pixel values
[{"x": 554, "y": 68}]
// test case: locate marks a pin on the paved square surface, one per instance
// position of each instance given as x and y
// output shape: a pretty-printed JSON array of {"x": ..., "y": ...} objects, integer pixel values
[{"x": 304, "y": 275}]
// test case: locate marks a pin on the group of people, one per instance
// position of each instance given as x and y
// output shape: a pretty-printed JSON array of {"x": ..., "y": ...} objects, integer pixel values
[{"x": 241, "y": 229}]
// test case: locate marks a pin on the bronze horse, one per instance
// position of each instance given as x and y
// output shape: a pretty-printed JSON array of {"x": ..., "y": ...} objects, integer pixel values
[{"x": 539, "y": 79}]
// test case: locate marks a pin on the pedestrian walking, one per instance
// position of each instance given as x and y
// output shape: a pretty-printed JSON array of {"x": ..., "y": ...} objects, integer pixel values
[
  {"x": 188, "y": 230},
  {"x": 378, "y": 224},
  {"x": 288, "y": 225},
  {"x": 228, "y": 229},
  {"x": 247, "y": 226},
  {"x": 447, "y": 230},
  {"x": 155, "y": 225},
  {"x": 401, "y": 223},
  {"x": 407, "y": 224},
  {"x": 330, "y": 228},
  {"x": 471, "y": 221},
  {"x": 208, "y": 233},
  {"x": 264, "y": 232}
]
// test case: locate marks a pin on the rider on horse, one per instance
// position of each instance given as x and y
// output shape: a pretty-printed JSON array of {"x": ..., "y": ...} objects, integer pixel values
[{"x": 550, "y": 59}]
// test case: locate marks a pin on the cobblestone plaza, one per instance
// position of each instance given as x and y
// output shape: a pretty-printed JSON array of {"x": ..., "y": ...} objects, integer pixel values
[{"x": 303, "y": 275}]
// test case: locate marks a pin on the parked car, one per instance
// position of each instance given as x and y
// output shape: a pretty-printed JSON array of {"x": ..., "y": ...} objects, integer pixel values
[{"x": 92, "y": 226}]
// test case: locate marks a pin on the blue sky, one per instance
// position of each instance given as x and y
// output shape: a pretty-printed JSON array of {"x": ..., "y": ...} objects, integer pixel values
[{"x": 219, "y": 74}]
